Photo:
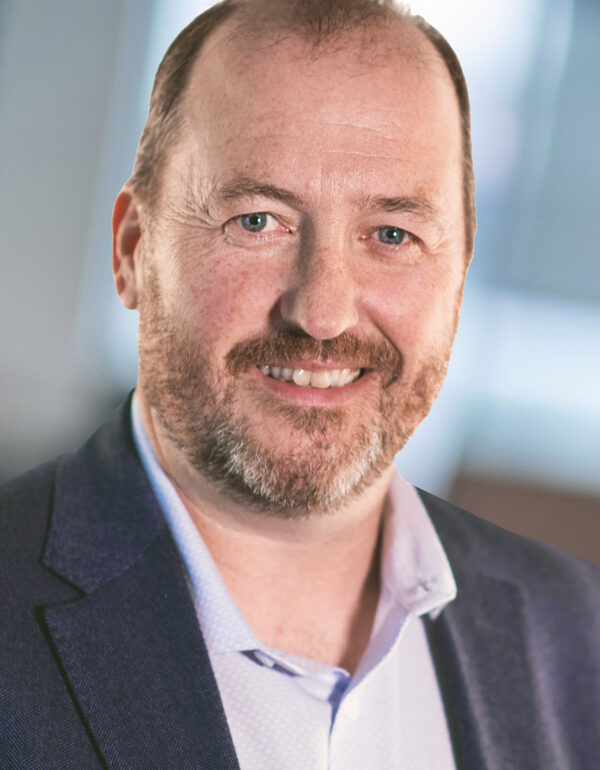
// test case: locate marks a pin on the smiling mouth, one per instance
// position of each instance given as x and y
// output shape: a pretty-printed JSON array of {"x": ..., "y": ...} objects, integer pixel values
[{"x": 306, "y": 378}]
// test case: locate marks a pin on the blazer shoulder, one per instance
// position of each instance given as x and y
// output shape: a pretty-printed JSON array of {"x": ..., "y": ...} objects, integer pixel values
[
  {"x": 541, "y": 570},
  {"x": 25, "y": 505}
]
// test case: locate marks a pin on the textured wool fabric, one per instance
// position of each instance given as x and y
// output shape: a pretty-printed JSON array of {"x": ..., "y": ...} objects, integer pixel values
[
  {"x": 103, "y": 663},
  {"x": 288, "y": 712}
]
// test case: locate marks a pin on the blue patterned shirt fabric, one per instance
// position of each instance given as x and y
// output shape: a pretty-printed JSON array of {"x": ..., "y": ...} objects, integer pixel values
[{"x": 286, "y": 712}]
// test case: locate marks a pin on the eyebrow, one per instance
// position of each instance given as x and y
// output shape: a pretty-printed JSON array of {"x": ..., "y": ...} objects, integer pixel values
[
  {"x": 417, "y": 205},
  {"x": 247, "y": 187}
]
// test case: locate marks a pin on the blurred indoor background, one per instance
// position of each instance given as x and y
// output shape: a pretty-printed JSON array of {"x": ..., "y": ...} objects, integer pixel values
[{"x": 515, "y": 435}]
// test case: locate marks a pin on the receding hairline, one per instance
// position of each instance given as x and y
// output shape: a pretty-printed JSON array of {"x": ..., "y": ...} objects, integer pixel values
[
  {"x": 405, "y": 40},
  {"x": 268, "y": 22},
  {"x": 371, "y": 52}
]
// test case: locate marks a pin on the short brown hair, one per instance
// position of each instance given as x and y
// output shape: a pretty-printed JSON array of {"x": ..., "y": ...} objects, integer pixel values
[{"x": 316, "y": 20}]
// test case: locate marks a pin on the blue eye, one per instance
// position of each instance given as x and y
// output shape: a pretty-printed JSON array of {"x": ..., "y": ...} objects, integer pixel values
[
  {"x": 393, "y": 236},
  {"x": 254, "y": 222}
]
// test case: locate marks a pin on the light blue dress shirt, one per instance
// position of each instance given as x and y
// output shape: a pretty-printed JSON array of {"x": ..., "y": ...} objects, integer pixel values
[{"x": 291, "y": 713}]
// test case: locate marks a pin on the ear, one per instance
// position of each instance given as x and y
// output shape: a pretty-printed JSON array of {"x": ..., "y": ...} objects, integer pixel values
[{"x": 126, "y": 237}]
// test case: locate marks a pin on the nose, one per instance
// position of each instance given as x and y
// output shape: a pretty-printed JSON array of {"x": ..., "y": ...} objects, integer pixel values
[{"x": 322, "y": 298}]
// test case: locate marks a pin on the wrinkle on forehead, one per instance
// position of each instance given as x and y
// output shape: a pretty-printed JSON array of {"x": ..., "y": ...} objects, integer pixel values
[{"x": 379, "y": 128}]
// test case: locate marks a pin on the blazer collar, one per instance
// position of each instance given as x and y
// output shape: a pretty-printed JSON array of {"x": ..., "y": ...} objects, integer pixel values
[
  {"x": 104, "y": 513},
  {"x": 130, "y": 648}
]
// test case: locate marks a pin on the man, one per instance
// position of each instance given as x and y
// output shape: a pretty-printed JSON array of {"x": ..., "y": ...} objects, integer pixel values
[{"x": 231, "y": 573}]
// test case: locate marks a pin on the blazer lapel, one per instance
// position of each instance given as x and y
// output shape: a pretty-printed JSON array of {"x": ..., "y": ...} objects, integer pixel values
[
  {"x": 482, "y": 662},
  {"x": 130, "y": 649},
  {"x": 483, "y": 656}
]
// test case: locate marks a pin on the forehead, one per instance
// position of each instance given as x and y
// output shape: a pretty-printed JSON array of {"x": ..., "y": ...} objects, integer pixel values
[{"x": 334, "y": 112}]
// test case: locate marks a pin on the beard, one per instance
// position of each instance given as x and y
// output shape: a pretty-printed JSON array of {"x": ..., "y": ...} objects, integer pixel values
[{"x": 328, "y": 455}]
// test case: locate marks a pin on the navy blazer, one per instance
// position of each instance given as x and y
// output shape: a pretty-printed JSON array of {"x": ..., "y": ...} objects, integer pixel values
[{"x": 102, "y": 662}]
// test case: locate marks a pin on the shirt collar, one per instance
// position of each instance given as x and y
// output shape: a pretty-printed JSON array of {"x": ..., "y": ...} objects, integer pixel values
[{"x": 415, "y": 570}]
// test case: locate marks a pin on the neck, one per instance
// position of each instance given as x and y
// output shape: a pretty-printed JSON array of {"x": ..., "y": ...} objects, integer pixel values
[{"x": 307, "y": 585}]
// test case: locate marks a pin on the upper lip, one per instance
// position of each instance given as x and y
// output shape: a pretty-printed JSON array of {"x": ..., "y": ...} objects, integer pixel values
[{"x": 313, "y": 366}]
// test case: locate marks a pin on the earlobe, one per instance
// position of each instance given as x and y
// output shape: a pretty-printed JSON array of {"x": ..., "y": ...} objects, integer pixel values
[{"x": 126, "y": 236}]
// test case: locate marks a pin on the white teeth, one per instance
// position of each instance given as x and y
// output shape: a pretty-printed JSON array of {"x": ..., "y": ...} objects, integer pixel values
[
  {"x": 321, "y": 379},
  {"x": 304, "y": 378},
  {"x": 301, "y": 377},
  {"x": 334, "y": 377}
]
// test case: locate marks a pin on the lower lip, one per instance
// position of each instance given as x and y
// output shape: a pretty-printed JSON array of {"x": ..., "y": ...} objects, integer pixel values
[{"x": 314, "y": 396}]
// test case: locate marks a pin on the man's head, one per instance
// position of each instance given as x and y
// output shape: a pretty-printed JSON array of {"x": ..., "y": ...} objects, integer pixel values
[{"x": 308, "y": 217}]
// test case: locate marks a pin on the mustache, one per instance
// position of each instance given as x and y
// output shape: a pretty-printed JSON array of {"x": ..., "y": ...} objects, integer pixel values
[{"x": 355, "y": 351}]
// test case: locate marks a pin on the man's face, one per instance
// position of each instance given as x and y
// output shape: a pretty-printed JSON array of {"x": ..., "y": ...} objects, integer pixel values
[{"x": 302, "y": 273}]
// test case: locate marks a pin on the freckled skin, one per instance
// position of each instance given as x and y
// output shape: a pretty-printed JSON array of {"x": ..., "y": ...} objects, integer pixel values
[
  {"x": 333, "y": 128},
  {"x": 327, "y": 139},
  {"x": 336, "y": 129}
]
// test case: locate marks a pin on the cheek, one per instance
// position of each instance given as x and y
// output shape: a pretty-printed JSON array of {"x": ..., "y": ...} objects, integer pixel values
[
  {"x": 231, "y": 299},
  {"x": 417, "y": 310}
]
